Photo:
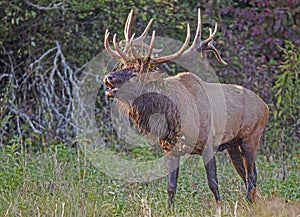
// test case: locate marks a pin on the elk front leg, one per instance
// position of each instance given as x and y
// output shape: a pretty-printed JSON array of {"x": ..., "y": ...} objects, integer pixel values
[
  {"x": 172, "y": 163},
  {"x": 211, "y": 173},
  {"x": 209, "y": 160}
]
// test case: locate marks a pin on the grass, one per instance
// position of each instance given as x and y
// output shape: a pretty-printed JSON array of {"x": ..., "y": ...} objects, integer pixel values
[{"x": 60, "y": 181}]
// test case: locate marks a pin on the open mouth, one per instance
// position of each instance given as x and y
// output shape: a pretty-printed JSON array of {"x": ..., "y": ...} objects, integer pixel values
[{"x": 111, "y": 89}]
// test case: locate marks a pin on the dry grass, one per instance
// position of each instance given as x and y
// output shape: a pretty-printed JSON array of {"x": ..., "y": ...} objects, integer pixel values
[{"x": 275, "y": 206}]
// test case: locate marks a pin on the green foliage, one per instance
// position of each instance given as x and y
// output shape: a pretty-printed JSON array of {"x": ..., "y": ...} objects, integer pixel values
[
  {"x": 286, "y": 86},
  {"x": 283, "y": 178},
  {"x": 285, "y": 122}
]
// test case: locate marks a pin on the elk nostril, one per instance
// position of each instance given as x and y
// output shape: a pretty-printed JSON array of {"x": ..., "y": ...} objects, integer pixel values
[{"x": 110, "y": 78}]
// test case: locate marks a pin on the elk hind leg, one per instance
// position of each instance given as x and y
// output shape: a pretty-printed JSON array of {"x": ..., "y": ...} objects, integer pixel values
[
  {"x": 249, "y": 153},
  {"x": 235, "y": 153}
]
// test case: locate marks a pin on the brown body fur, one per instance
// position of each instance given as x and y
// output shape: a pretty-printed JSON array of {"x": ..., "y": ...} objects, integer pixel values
[{"x": 190, "y": 108}]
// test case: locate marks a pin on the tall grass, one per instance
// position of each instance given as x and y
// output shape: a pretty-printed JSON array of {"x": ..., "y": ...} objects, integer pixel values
[{"x": 59, "y": 181}]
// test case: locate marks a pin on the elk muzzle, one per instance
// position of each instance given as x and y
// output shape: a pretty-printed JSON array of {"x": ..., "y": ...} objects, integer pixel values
[
  {"x": 114, "y": 80},
  {"x": 110, "y": 82}
]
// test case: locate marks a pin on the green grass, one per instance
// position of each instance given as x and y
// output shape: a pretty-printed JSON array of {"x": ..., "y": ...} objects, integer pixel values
[{"x": 60, "y": 181}]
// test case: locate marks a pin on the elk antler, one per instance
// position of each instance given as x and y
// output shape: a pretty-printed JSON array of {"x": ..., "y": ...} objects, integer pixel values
[
  {"x": 197, "y": 45},
  {"x": 168, "y": 58},
  {"x": 140, "y": 40},
  {"x": 131, "y": 42},
  {"x": 108, "y": 49}
]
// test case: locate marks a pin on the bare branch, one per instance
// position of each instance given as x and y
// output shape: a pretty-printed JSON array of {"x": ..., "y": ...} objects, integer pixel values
[{"x": 53, "y": 6}]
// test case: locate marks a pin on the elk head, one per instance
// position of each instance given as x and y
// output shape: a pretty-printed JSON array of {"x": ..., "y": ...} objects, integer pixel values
[{"x": 136, "y": 56}]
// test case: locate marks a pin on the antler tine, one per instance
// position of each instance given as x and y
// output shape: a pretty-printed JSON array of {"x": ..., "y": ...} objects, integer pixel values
[
  {"x": 151, "y": 44},
  {"x": 197, "y": 37},
  {"x": 119, "y": 51},
  {"x": 211, "y": 35},
  {"x": 211, "y": 47},
  {"x": 208, "y": 45},
  {"x": 218, "y": 56},
  {"x": 170, "y": 57},
  {"x": 140, "y": 40},
  {"x": 110, "y": 51},
  {"x": 128, "y": 25},
  {"x": 197, "y": 45},
  {"x": 134, "y": 53}
]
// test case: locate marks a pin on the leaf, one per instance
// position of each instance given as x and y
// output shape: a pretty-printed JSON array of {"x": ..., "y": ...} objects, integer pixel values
[
  {"x": 5, "y": 120},
  {"x": 278, "y": 101},
  {"x": 275, "y": 114}
]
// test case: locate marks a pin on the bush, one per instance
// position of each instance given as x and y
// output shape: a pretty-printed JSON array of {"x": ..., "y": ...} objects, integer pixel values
[{"x": 283, "y": 131}]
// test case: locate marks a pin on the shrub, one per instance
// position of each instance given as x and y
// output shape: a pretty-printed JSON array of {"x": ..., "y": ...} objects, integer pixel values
[{"x": 283, "y": 131}]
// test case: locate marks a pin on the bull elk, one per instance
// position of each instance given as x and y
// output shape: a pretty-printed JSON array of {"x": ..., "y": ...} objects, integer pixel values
[{"x": 194, "y": 119}]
